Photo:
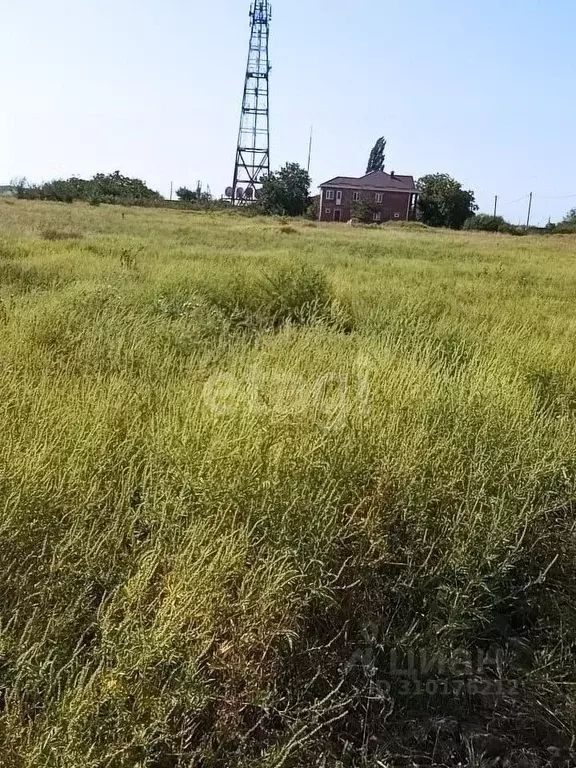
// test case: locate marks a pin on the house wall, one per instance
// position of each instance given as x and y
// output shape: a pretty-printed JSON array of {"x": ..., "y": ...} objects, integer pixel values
[{"x": 392, "y": 203}]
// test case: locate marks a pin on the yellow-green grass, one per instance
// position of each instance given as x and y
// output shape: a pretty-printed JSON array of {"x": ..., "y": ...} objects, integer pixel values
[{"x": 245, "y": 464}]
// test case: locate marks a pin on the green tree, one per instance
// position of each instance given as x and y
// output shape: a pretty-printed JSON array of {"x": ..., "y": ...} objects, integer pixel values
[
  {"x": 377, "y": 157},
  {"x": 570, "y": 217},
  {"x": 115, "y": 186},
  {"x": 104, "y": 188},
  {"x": 485, "y": 222},
  {"x": 286, "y": 192},
  {"x": 186, "y": 195},
  {"x": 363, "y": 211},
  {"x": 443, "y": 202},
  {"x": 313, "y": 209}
]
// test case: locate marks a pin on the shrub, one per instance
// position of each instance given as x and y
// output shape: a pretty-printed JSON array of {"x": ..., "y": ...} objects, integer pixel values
[
  {"x": 363, "y": 211},
  {"x": 510, "y": 229},
  {"x": 483, "y": 222},
  {"x": 285, "y": 192},
  {"x": 313, "y": 210},
  {"x": 443, "y": 202},
  {"x": 112, "y": 188},
  {"x": 564, "y": 228}
]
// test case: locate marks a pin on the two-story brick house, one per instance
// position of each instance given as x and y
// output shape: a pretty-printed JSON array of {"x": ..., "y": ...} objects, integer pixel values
[{"x": 391, "y": 197}]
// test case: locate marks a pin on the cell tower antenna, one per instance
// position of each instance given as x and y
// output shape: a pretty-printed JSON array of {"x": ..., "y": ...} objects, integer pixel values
[{"x": 253, "y": 151}]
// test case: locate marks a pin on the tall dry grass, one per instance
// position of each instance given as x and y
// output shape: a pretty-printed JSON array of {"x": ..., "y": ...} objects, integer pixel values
[{"x": 242, "y": 469}]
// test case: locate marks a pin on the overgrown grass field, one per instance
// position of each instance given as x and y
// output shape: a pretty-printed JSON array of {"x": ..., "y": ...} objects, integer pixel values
[{"x": 251, "y": 471}]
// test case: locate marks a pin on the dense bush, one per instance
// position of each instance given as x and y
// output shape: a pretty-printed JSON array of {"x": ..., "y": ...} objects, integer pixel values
[
  {"x": 443, "y": 202},
  {"x": 186, "y": 195},
  {"x": 484, "y": 222},
  {"x": 102, "y": 188},
  {"x": 286, "y": 192},
  {"x": 313, "y": 210},
  {"x": 563, "y": 228},
  {"x": 364, "y": 211}
]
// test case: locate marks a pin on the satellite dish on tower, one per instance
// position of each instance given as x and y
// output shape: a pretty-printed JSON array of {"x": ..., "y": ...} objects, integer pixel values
[
  {"x": 229, "y": 192},
  {"x": 239, "y": 193},
  {"x": 249, "y": 194}
]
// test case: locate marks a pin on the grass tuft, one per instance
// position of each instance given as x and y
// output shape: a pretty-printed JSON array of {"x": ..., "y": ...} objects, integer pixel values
[
  {"x": 52, "y": 234},
  {"x": 287, "y": 229},
  {"x": 287, "y": 295}
]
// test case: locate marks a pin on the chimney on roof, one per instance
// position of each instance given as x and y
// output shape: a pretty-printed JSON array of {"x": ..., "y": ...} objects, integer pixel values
[{"x": 392, "y": 173}]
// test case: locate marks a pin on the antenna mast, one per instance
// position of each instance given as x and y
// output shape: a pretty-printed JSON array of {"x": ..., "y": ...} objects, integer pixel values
[{"x": 253, "y": 151}]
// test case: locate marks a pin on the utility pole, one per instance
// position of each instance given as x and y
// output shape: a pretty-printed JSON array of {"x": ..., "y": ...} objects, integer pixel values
[
  {"x": 310, "y": 147},
  {"x": 529, "y": 211},
  {"x": 171, "y": 190},
  {"x": 495, "y": 205}
]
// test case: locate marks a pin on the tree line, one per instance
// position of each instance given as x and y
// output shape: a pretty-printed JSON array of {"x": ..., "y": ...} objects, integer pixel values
[
  {"x": 111, "y": 188},
  {"x": 102, "y": 188},
  {"x": 443, "y": 201}
]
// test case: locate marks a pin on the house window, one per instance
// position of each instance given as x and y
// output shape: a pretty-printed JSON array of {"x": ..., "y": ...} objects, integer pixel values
[
  {"x": 356, "y": 196},
  {"x": 377, "y": 217},
  {"x": 329, "y": 194},
  {"x": 379, "y": 197}
]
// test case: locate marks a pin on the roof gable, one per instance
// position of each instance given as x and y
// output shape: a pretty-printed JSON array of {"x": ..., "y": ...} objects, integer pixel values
[{"x": 377, "y": 180}]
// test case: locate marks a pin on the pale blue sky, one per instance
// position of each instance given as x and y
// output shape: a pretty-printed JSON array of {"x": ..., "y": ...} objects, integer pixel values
[{"x": 482, "y": 90}]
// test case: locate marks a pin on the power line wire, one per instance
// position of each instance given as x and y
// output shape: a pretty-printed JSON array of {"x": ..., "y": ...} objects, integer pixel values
[
  {"x": 556, "y": 197},
  {"x": 537, "y": 197},
  {"x": 509, "y": 202}
]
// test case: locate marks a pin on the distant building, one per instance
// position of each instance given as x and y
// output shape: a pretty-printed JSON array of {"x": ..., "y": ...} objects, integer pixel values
[
  {"x": 390, "y": 196},
  {"x": 7, "y": 191}
]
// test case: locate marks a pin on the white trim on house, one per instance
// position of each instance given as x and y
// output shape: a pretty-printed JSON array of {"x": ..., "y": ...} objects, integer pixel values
[{"x": 410, "y": 206}]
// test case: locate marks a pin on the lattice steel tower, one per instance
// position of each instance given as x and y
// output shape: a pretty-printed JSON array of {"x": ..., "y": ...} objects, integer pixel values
[{"x": 253, "y": 152}]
